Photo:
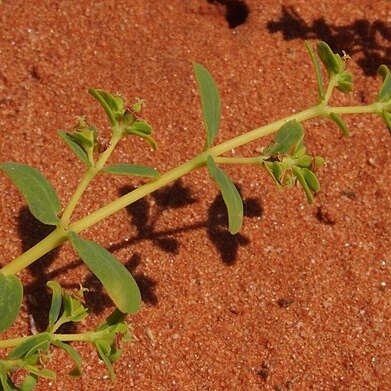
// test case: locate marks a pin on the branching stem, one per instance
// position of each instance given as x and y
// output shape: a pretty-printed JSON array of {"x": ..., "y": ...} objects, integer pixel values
[{"x": 59, "y": 235}]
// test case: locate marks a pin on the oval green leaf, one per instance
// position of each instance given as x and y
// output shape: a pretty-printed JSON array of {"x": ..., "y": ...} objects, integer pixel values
[
  {"x": 108, "y": 102},
  {"x": 210, "y": 100},
  {"x": 118, "y": 282},
  {"x": 75, "y": 148},
  {"x": 289, "y": 135},
  {"x": 331, "y": 61},
  {"x": 231, "y": 196},
  {"x": 38, "y": 192},
  {"x": 11, "y": 295},
  {"x": 131, "y": 169},
  {"x": 311, "y": 179}
]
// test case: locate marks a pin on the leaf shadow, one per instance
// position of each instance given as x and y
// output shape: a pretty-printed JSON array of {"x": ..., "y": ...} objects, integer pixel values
[
  {"x": 144, "y": 215},
  {"x": 31, "y": 231},
  {"x": 370, "y": 40}
]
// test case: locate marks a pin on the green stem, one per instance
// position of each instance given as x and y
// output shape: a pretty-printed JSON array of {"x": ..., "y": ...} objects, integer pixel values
[
  {"x": 54, "y": 239},
  {"x": 330, "y": 87},
  {"x": 84, "y": 337},
  {"x": 59, "y": 235},
  {"x": 239, "y": 160},
  {"x": 88, "y": 177}
]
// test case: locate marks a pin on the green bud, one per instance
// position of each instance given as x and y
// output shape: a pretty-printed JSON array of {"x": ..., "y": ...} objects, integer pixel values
[
  {"x": 319, "y": 161},
  {"x": 345, "y": 82},
  {"x": 304, "y": 161}
]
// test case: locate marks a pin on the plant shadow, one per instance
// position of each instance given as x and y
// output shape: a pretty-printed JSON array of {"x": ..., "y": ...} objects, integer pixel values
[
  {"x": 31, "y": 231},
  {"x": 144, "y": 216},
  {"x": 371, "y": 40}
]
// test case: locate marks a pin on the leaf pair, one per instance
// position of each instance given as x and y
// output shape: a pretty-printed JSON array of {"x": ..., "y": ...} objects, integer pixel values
[
  {"x": 24, "y": 364},
  {"x": 335, "y": 66},
  {"x": 112, "y": 105},
  {"x": 108, "y": 338},
  {"x": 82, "y": 141},
  {"x": 211, "y": 108},
  {"x": 143, "y": 129}
]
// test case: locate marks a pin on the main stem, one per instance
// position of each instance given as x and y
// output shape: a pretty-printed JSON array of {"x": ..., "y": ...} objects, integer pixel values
[{"x": 60, "y": 234}]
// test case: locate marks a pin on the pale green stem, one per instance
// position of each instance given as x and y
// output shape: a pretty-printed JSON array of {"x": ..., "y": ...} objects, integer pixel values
[
  {"x": 239, "y": 160},
  {"x": 88, "y": 176},
  {"x": 59, "y": 235},
  {"x": 330, "y": 87},
  {"x": 84, "y": 337}
]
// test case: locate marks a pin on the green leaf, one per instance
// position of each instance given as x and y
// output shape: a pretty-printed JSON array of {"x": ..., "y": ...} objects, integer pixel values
[
  {"x": 105, "y": 359},
  {"x": 131, "y": 169},
  {"x": 144, "y": 136},
  {"x": 288, "y": 136},
  {"x": 118, "y": 282},
  {"x": 341, "y": 124},
  {"x": 269, "y": 168},
  {"x": 278, "y": 170},
  {"x": 11, "y": 295},
  {"x": 74, "y": 310},
  {"x": 4, "y": 380},
  {"x": 55, "y": 307},
  {"x": 333, "y": 62},
  {"x": 142, "y": 126},
  {"x": 384, "y": 94},
  {"x": 77, "y": 370},
  {"x": 29, "y": 346},
  {"x": 76, "y": 148},
  {"x": 42, "y": 346},
  {"x": 38, "y": 192},
  {"x": 298, "y": 172},
  {"x": 42, "y": 372},
  {"x": 210, "y": 100},
  {"x": 318, "y": 72},
  {"x": 387, "y": 119},
  {"x": 110, "y": 104},
  {"x": 311, "y": 179},
  {"x": 230, "y": 194},
  {"x": 29, "y": 383}
]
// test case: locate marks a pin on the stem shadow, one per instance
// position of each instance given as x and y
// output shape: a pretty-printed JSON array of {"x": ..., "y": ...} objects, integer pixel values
[
  {"x": 144, "y": 216},
  {"x": 31, "y": 231},
  {"x": 371, "y": 40}
]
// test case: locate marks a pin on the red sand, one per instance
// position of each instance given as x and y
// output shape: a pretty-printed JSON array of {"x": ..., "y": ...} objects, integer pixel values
[{"x": 301, "y": 299}]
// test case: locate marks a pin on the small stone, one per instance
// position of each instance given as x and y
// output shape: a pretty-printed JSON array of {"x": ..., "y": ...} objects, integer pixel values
[{"x": 284, "y": 302}]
